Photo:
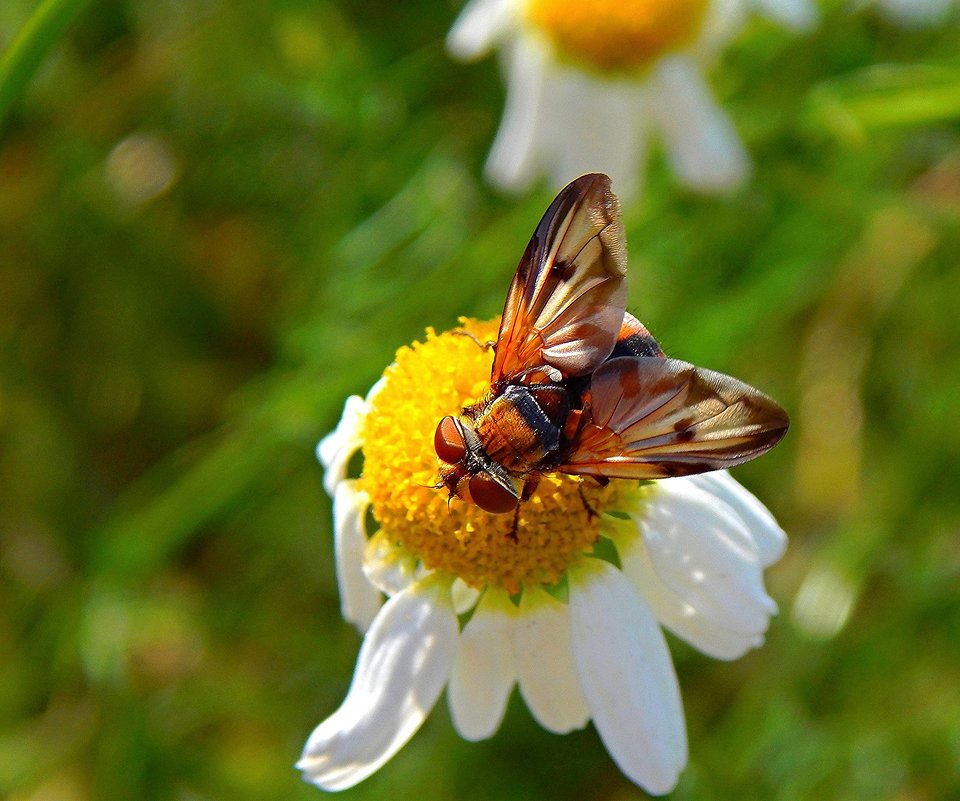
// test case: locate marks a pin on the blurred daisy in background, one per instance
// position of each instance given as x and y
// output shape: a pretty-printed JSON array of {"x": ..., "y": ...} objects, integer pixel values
[
  {"x": 570, "y": 611},
  {"x": 589, "y": 84},
  {"x": 914, "y": 13}
]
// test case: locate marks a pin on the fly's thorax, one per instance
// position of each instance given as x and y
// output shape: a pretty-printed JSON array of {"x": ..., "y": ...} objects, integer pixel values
[{"x": 521, "y": 429}]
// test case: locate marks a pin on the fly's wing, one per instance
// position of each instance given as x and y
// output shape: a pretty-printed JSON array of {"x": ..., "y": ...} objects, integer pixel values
[
  {"x": 650, "y": 417},
  {"x": 565, "y": 305},
  {"x": 635, "y": 340}
]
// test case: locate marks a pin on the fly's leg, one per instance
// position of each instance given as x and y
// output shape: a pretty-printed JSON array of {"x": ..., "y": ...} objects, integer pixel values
[
  {"x": 482, "y": 345},
  {"x": 512, "y": 535},
  {"x": 529, "y": 487},
  {"x": 591, "y": 512},
  {"x": 602, "y": 481}
]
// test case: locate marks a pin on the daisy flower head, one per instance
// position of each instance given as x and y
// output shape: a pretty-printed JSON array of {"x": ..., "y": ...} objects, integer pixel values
[
  {"x": 590, "y": 83},
  {"x": 498, "y": 581}
]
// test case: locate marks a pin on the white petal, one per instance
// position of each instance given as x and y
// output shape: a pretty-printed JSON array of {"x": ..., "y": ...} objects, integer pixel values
[
  {"x": 375, "y": 389},
  {"x": 916, "y": 12},
  {"x": 359, "y": 599},
  {"x": 594, "y": 126},
  {"x": 702, "y": 551},
  {"x": 483, "y": 672},
  {"x": 481, "y": 24},
  {"x": 465, "y": 597},
  {"x": 544, "y": 661},
  {"x": 701, "y": 143},
  {"x": 724, "y": 21},
  {"x": 388, "y": 566},
  {"x": 335, "y": 450},
  {"x": 706, "y": 630},
  {"x": 770, "y": 540},
  {"x": 404, "y": 662},
  {"x": 513, "y": 160},
  {"x": 627, "y": 677},
  {"x": 800, "y": 15}
]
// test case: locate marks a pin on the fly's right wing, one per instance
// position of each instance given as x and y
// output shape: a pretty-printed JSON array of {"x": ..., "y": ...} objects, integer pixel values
[{"x": 649, "y": 417}]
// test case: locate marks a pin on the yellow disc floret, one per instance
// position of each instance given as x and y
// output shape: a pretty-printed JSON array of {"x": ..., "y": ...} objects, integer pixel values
[
  {"x": 432, "y": 379},
  {"x": 617, "y": 35}
]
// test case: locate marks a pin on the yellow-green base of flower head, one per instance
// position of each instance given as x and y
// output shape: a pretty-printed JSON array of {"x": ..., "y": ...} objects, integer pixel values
[{"x": 427, "y": 381}]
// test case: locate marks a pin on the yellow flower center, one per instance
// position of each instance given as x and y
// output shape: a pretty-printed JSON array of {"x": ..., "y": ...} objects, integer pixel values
[
  {"x": 432, "y": 379},
  {"x": 617, "y": 35}
]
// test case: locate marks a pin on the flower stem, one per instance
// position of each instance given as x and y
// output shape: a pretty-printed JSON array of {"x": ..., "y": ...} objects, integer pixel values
[{"x": 28, "y": 49}]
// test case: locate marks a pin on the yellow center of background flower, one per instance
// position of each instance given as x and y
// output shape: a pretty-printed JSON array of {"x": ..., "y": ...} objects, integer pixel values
[
  {"x": 617, "y": 35},
  {"x": 428, "y": 381}
]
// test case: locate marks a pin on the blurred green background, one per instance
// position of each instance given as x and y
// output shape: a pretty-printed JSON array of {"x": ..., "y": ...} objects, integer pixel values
[{"x": 217, "y": 219}]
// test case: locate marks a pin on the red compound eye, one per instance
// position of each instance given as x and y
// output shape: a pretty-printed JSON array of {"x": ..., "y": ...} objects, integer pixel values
[
  {"x": 490, "y": 495},
  {"x": 448, "y": 441}
]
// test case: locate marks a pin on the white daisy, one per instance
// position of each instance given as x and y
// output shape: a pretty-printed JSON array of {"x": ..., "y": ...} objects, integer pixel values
[
  {"x": 916, "y": 13},
  {"x": 579, "y": 635},
  {"x": 590, "y": 83}
]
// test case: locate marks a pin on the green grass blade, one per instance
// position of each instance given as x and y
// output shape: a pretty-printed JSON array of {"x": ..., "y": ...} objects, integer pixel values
[{"x": 29, "y": 48}]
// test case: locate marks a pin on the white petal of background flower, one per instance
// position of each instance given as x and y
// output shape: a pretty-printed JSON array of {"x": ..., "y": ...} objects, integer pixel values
[
  {"x": 335, "y": 450},
  {"x": 590, "y": 125},
  {"x": 483, "y": 672},
  {"x": 707, "y": 630},
  {"x": 916, "y": 12},
  {"x": 770, "y": 540},
  {"x": 359, "y": 599},
  {"x": 702, "y": 551},
  {"x": 513, "y": 160},
  {"x": 404, "y": 663},
  {"x": 700, "y": 141},
  {"x": 800, "y": 15},
  {"x": 724, "y": 21},
  {"x": 544, "y": 661},
  {"x": 627, "y": 677},
  {"x": 480, "y": 25}
]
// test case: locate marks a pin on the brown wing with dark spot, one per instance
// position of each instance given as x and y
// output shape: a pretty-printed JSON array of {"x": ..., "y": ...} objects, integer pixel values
[
  {"x": 635, "y": 340},
  {"x": 565, "y": 305},
  {"x": 650, "y": 417}
]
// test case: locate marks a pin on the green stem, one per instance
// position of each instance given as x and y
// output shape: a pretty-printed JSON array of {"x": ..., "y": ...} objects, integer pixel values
[{"x": 28, "y": 49}]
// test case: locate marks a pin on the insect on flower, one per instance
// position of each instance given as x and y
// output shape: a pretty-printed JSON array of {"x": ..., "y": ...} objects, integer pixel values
[{"x": 579, "y": 386}]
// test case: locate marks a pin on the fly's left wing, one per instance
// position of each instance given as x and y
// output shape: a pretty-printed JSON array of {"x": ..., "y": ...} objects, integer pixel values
[
  {"x": 648, "y": 417},
  {"x": 565, "y": 305}
]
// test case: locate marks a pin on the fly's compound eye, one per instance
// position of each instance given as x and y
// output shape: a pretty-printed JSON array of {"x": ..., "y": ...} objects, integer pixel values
[
  {"x": 490, "y": 495},
  {"x": 448, "y": 441}
]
